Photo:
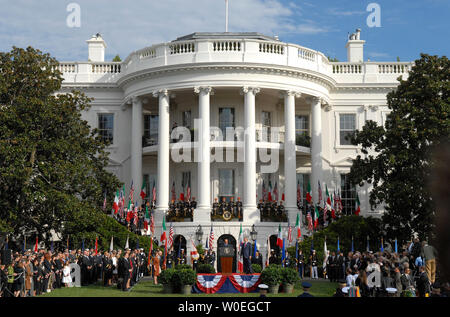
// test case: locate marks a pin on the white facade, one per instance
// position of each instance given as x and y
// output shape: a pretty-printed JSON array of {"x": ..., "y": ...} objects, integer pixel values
[{"x": 252, "y": 74}]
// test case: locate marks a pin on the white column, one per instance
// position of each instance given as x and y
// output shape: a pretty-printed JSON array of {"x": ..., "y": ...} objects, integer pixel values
[
  {"x": 203, "y": 211},
  {"x": 162, "y": 187},
  {"x": 136, "y": 143},
  {"x": 316, "y": 146},
  {"x": 251, "y": 213},
  {"x": 290, "y": 161}
]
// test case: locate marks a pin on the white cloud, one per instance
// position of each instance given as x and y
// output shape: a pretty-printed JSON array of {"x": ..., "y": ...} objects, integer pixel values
[{"x": 131, "y": 25}]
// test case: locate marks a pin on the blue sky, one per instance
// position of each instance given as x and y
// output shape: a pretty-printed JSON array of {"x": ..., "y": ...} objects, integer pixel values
[{"x": 408, "y": 28}]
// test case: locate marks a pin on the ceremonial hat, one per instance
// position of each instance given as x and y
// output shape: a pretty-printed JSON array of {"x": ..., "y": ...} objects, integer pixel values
[
  {"x": 345, "y": 290},
  {"x": 391, "y": 290},
  {"x": 263, "y": 286},
  {"x": 306, "y": 285},
  {"x": 342, "y": 281}
]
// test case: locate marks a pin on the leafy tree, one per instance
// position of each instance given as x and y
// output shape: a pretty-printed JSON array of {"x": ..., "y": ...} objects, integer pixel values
[
  {"x": 52, "y": 164},
  {"x": 117, "y": 59},
  {"x": 333, "y": 59},
  {"x": 396, "y": 158}
]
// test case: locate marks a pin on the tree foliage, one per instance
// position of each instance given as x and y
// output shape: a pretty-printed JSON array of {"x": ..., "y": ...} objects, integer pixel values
[
  {"x": 52, "y": 164},
  {"x": 396, "y": 158}
]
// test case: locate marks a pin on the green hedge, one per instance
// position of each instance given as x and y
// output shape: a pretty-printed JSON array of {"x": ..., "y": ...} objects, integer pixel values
[{"x": 206, "y": 269}]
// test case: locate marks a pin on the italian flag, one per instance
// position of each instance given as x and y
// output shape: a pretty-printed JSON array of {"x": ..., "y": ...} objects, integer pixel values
[
  {"x": 328, "y": 198},
  {"x": 143, "y": 193},
  {"x": 279, "y": 238},
  {"x": 297, "y": 225},
  {"x": 308, "y": 193},
  {"x": 316, "y": 217},
  {"x": 358, "y": 204},
  {"x": 163, "y": 235},
  {"x": 116, "y": 202}
]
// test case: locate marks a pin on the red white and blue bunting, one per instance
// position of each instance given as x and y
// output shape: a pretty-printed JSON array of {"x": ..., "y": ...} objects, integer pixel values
[{"x": 218, "y": 283}]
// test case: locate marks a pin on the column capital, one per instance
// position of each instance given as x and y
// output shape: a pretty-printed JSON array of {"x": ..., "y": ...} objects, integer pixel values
[
  {"x": 204, "y": 89},
  {"x": 160, "y": 92},
  {"x": 289, "y": 93},
  {"x": 246, "y": 89},
  {"x": 316, "y": 99}
]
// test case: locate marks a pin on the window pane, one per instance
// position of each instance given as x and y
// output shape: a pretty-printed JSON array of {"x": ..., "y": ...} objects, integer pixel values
[
  {"x": 347, "y": 128},
  {"x": 187, "y": 119},
  {"x": 226, "y": 182},
  {"x": 151, "y": 128},
  {"x": 226, "y": 119},
  {"x": 106, "y": 126},
  {"x": 348, "y": 195}
]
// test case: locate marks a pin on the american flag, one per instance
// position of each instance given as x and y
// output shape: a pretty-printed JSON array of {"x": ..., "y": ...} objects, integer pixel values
[
  {"x": 320, "y": 193},
  {"x": 154, "y": 192},
  {"x": 170, "y": 241},
  {"x": 104, "y": 202},
  {"x": 135, "y": 214},
  {"x": 211, "y": 238},
  {"x": 289, "y": 234},
  {"x": 152, "y": 224},
  {"x": 131, "y": 191},
  {"x": 174, "y": 196},
  {"x": 188, "y": 193},
  {"x": 275, "y": 191},
  {"x": 310, "y": 224}
]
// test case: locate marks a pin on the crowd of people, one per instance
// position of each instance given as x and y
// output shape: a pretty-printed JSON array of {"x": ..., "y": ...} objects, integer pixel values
[{"x": 412, "y": 272}]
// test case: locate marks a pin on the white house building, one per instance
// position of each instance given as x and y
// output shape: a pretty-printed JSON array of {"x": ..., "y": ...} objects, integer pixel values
[{"x": 275, "y": 92}]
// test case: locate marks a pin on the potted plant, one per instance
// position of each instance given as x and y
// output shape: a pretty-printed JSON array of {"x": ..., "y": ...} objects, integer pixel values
[
  {"x": 271, "y": 276},
  {"x": 165, "y": 277},
  {"x": 289, "y": 277},
  {"x": 256, "y": 268},
  {"x": 187, "y": 278},
  {"x": 206, "y": 269}
]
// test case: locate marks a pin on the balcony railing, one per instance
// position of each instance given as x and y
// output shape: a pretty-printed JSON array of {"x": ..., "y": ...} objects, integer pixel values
[{"x": 234, "y": 51}]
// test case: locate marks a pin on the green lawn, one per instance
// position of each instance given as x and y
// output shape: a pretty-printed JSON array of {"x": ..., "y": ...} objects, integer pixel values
[{"x": 145, "y": 288}]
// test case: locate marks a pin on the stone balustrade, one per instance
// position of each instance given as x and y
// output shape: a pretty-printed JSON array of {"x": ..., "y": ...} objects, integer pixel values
[{"x": 272, "y": 53}]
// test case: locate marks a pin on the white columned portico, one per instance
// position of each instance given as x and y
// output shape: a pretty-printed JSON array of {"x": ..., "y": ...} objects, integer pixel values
[
  {"x": 203, "y": 211},
  {"x": 316, "y": 146},
  {"x": 162, "y": 188},
  {"x": 251, "y": 213},
  {"x": 136, "y": 142},
  {"x": 290, "y": 161}
]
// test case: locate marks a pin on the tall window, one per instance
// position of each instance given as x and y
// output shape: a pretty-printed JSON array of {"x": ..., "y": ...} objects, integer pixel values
[
  {"x": 106, "y": 126},
  {"x": 266, "y": 123},
  {"x": 347, "y": 128},
  {"x": 226, "y": 183},
  {"x": 151, "y": 129},
  {"x": 348, "y": 195},
  {"x": 226, "y": 120},
  {"x": 302, "y": 131}
]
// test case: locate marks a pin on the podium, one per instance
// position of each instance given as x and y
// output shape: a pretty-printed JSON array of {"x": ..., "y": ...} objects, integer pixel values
[{"x": 226, "y": 254}]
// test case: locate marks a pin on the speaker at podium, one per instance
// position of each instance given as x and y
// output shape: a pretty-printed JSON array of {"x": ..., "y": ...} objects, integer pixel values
[{"x": 226, "y": 254}]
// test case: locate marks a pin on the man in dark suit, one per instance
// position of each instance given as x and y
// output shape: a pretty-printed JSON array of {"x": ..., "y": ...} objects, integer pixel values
[
  {"x": 247, "y": 255},
  {"x": 126, "y": 271}
]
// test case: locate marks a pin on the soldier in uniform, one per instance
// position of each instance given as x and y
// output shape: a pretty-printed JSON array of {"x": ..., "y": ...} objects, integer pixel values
[
  {"x": 223, "y": 206},
  {"x": 239, "y": 208},
  {"x": 313, "y": 260},
  {"x": 172, "y": 209},
  {"x": 232, "y": 206},
  {"x": 170, "y": 258},
  {"x": 301, "y": 263},
  {"x": 216, "y": 207},
  {"x": 261, "y": 208},
  {"x": 280, "y": 209},
  {"x": 267, "y": 208},
  {"x": 182, "y": 258},
  {"x": 180, "y": 208},
  {"x": 332, "y": 261},
  {"x": 273, "y": 259}
]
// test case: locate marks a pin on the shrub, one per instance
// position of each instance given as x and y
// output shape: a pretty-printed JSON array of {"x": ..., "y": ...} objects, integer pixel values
[
  {"x": 271, "y": 275},
  {"x": 206, "y": 269},
  {"x": 165, "y": 277},
  {"x": 183, "y": 267},
  {"x": 289, "y": 276},
  {"x": 187, "y": 277},
  {"x": 256, "y": 268}
]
